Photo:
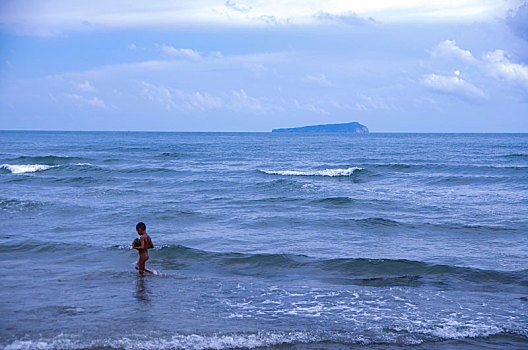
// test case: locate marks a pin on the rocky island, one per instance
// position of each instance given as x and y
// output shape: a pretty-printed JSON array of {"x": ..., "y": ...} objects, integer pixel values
[{"x": 353, "y": 127}]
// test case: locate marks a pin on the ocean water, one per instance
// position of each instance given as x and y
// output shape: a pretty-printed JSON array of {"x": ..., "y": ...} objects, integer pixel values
[{"x": 264, "y": 240}]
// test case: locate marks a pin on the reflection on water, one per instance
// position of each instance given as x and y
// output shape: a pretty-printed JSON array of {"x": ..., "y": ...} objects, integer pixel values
[{"x": 142, "y": 292}]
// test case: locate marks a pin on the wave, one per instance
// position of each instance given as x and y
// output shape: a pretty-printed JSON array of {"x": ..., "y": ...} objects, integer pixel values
[
  {"x": 37, "y": 247},
  {"x": 170, "y": 155},
  {"x": 15, "y": 205},
  {"x": 358, "y": 271},
  {"x": 32, "y": 168},
  {"x": 476, "y": 334},
  {"x": 475, "y": 180},
  {"x": 516, "y": 156},
  {"x": 26, "y": 168},
  {"x": 334, "y": 201},
  {"x": 284, "y": 184},
  {"x": 326, "y": 172},
  {"x": 378, "y": 222},
  {"x": 47, "y": 160},
  {"x": 178, "y": 341},
  {"x": 146, "y": 170},
  {"x": 344, "y": 271},
  {"x": 446, "y": 169}
]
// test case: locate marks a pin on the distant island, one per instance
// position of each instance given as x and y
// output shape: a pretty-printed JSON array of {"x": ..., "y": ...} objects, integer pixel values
[{"x": 353, "y": 127}]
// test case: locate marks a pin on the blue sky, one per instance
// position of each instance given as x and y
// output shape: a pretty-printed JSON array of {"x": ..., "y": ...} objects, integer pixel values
[{"x": 395, "y": 66}]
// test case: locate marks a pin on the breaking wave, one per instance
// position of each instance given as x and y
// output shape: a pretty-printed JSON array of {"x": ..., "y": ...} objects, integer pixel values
[
  {"x": 32, "y": 168},
  {"x": 26, "y": 168},
  {"x": 270, "y": 339},
  {"x": 47, "y": 160},
  {"x": 326, "y": 172}
]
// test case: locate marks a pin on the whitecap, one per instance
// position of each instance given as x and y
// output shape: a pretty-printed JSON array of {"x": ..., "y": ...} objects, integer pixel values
[
  {"x": 191, "y": 341},
  {"x": 326, "y": 172},
  {"x": 26, "y": 168}
]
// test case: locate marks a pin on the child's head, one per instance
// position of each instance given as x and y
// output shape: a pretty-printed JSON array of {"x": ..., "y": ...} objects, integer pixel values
[{"x": 141, "y": 228}]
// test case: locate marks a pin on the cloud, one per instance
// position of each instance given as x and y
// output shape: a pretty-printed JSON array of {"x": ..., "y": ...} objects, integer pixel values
[
  {"x": 317, "y": 79},
  {"x": 82, "y": 101},
  {"x": 51, "y": 18},
  {"x": 170, "y": 98},
  {"x": 270, "y": 19},
  {"x": 158, "y": 95},
  {"x": 177, "y": 99},
  {"x": 132, "y": 47},
  {"x": 449, "y": 49},
  {"x": 200, "y": 100},
  {"x": 501, "y": 68},
  {"x": 310, "y": 107},
  {"x": 240, "y": 100},
  {"x": 495, "y": 64},
  {"x": 180, "y": 53},
  {"x": 518, "y": 21},
  {"x": 233, "y": 5},
  {"x": 350, "y": 18},
  {"x": 86, "y": 87},
  {"x": 454, "y": 86}
]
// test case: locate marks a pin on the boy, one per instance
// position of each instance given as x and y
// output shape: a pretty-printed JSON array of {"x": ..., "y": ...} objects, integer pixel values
[{"x": 146, "y": 244}]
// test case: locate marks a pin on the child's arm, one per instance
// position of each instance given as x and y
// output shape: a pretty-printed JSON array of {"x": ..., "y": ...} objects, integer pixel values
[
  {"x": 143, "y": 243},
  {"x": 142, "y": 246}
]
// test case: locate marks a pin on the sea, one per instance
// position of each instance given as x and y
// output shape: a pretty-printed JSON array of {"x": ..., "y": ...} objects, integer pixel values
[{"x": 264, "y": 240}]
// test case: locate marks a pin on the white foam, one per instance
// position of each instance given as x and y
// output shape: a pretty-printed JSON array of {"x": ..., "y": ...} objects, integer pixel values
[
  {"x": 455, "y": 330},
  {"x": 466, "y": 331},
  {"x": 191, "y": 341},
  {"x": 73, "y": 309},
  {"x": 326, "y": 172},
  {"x": 26, "y": 168},
  {"x": 83, "y": 164}
]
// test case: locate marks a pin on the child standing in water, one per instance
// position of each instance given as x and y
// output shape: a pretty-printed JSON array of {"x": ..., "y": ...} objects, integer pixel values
[{"x": 146, "y": 244}]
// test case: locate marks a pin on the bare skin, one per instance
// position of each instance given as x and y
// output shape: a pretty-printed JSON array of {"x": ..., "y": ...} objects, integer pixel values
[{"x": 146, "y": 244}]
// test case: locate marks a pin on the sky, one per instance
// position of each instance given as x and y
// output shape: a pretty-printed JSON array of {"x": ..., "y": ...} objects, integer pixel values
[{"x": 238, "y": 65}]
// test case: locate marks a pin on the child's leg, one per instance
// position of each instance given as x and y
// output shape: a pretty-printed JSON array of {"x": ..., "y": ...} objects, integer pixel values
[
  {"x": 141, "y": 263},
  {"x": 144, "y": 268}
]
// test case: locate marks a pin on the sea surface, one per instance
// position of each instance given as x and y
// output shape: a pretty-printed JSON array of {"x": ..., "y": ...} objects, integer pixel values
[{"x": 264, "y": 240}]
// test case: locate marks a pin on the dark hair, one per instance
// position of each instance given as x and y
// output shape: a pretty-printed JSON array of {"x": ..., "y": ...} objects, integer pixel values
[{"x": 141, "y": 226}]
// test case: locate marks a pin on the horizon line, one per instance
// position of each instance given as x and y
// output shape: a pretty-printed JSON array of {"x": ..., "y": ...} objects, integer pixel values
[{"x": 266, "y": 132}]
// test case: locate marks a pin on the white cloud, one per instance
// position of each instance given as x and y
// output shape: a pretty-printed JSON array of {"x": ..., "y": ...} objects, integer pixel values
[
  {"x": 517, "y": 20},
  {"x": 158, "y": 95},
  {"x": 200, "y": 100},
  {"x": 233, "y": 5},
  {"x": 349, "y": 17},
  {"x": 317, "y": 79},
  {"x": 240, "y": 100},
  {"x": 170, "y": 98},
  {"x": 375, "y": 102},
  {"x": 496, "y": 64},
  {"x": 310, "y": 107},
  {"x": 86, "y": 87},
  {"x": 255, "y": 63},
  {"x": 449, "y": 48},
  {"x": 180, "y": 53},
  {"x": 49, "y": 18},
  {"x": 455, "y": 86},
  {"x": 501, "y": 68},
  {"x": 82, "y": 101},
  {"x": 132, "y": 47}
]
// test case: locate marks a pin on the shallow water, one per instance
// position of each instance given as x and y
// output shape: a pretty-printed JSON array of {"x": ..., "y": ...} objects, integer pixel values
[{"x": 264, "y": 240}]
